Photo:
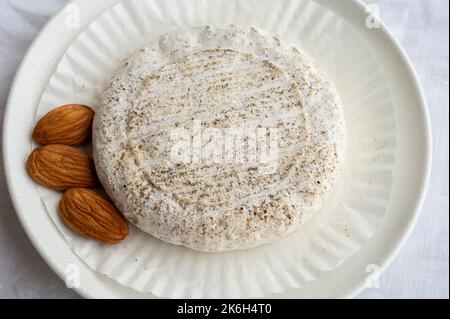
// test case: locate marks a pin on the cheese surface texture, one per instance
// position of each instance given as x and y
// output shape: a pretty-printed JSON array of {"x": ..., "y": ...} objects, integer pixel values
[{"x": 219, "y": 138}]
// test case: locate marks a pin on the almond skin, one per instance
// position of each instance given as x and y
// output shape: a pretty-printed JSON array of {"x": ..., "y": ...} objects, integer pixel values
[
  {"x": 60, "y": 167},
  {"x": 91, "y": 215},
  {"x": 68, "y": 125}
]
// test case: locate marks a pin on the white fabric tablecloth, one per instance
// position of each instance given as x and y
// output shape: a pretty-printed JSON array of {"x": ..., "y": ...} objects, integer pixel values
[{"x": 422, "y": 268}]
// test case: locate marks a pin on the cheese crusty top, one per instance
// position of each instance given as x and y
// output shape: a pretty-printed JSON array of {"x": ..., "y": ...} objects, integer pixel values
[{"x": 230, "y": 79}]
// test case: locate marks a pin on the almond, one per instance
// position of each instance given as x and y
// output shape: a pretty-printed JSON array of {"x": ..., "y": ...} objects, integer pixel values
[
  {"x": 91, "y": 215},
  {"x": 68, "y": 124},
  {"x": 60, "y": 167}
]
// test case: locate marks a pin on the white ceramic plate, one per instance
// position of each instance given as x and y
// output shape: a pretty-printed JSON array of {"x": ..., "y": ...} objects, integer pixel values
[{"x": 410, "y": 174}]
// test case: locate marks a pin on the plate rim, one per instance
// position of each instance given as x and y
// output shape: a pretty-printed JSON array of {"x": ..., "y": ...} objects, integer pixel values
[{"x": 347, "y": 10}]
